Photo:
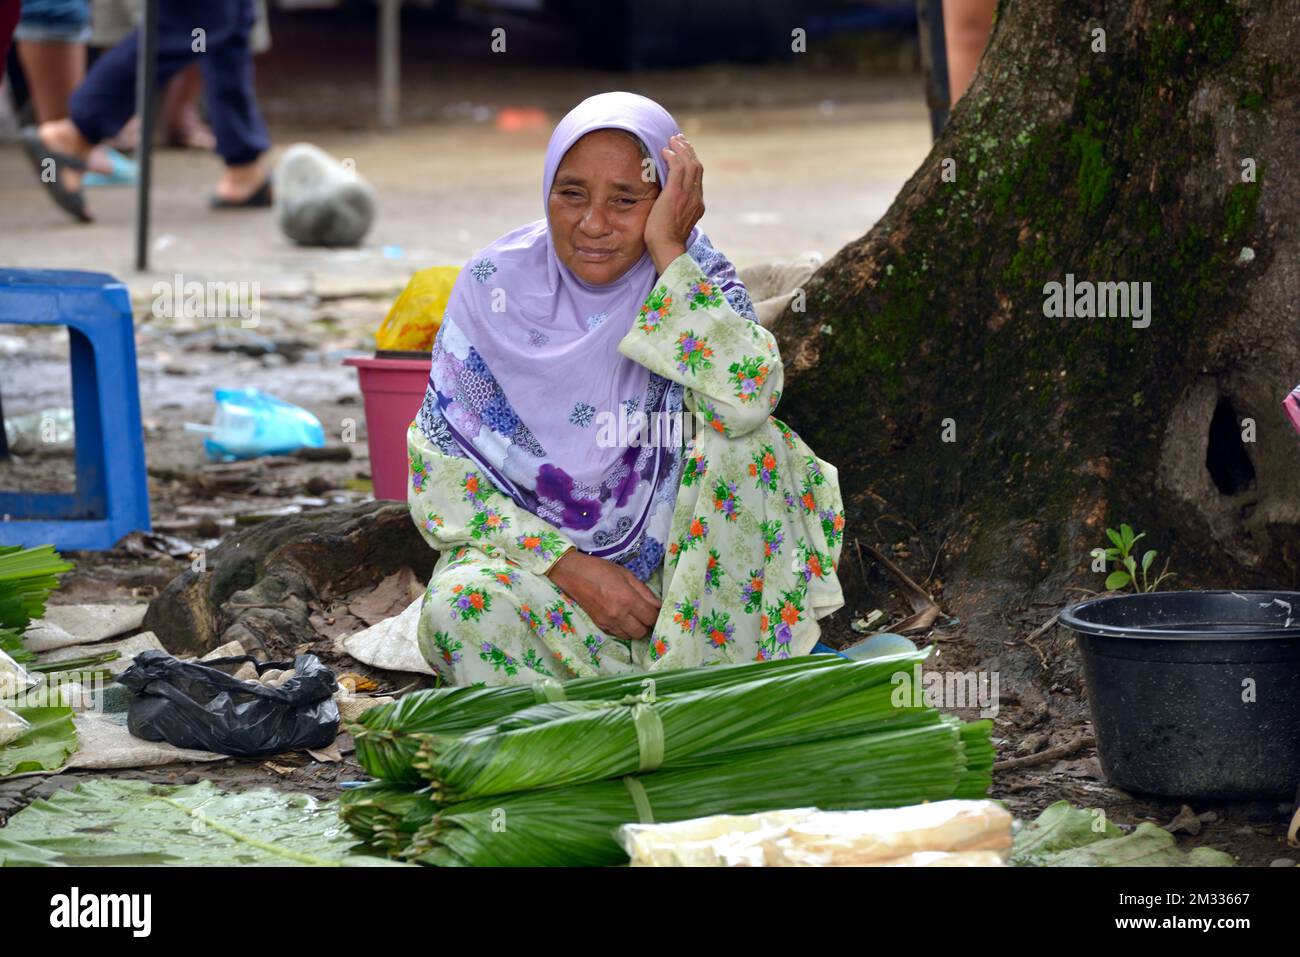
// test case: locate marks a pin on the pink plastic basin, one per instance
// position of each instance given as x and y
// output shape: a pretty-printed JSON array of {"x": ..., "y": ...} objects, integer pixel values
[
  {"x": 1292, "y": 406},
  {"x": 393, "y": 390}
]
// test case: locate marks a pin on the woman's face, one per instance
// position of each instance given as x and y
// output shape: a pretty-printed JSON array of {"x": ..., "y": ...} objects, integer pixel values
[{"x": 598, "y": 206}]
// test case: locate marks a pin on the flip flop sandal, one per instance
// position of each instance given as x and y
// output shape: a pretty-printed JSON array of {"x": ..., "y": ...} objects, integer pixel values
[
  {"x": 260, "y": 199},
  {"x": 125, "y": 172},
  {"x": 73, "y": 203}
]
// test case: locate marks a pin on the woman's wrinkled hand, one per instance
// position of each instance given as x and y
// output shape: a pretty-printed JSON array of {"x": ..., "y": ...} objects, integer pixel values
[
  {"x": 679, "y": 206},
  {"x": 618, "y": 602}
]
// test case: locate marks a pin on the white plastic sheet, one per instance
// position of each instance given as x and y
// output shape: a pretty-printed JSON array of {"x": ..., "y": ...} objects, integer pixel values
[
  {"x": 943, "y": 833},
  {"x": 14, "y": 679},
  {"x": 391, "y": 644}
]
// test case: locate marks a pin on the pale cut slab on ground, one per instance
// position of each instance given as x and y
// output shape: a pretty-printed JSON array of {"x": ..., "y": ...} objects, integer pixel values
[
  {"x": 103, "y": 742},
  {"x": 65, "y": 625}
]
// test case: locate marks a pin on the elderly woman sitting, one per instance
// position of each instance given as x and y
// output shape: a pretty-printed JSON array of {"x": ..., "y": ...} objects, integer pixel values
[{"x": 586, "y": 527}]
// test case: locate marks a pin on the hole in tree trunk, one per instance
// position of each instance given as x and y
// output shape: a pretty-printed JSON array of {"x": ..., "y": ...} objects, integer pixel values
[{"x": 1226, "y": 457}]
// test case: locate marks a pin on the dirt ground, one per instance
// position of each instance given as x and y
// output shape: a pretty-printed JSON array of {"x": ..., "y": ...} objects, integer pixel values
[
  {"x": 196, "y": 505},
  {"x": 788, "y": 180}
]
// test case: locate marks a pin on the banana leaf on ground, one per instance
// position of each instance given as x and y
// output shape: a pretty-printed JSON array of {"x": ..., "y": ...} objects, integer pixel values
[
  {"x": 45, "y": 746},
  {"x": 106, "y": 821}
]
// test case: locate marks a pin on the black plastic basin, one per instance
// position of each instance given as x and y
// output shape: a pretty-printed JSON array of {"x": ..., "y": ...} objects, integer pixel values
[{"x": 1194, "y": 694}]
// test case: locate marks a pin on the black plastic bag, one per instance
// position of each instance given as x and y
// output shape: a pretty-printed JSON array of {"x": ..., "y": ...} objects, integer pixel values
[{"x": 193, "y": 705}]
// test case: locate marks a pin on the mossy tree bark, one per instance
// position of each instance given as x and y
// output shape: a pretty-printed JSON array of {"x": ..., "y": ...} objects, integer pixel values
[{"x": 1130, "y": 164}]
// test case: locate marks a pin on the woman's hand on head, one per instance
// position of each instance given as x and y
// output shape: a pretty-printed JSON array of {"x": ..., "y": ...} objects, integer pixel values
[
  {"x": 618, "y": 602},
  {"x": 679, "y": 206}
]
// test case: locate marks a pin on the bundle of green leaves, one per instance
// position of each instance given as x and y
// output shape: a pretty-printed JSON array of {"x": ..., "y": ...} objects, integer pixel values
[
  {"x": 576, "y": 826},
  {"x": 27, "y": 576},
  {"x": 613, "y": 738},
  {"x": 385, "y": 815},
  {"x": 386, "y": 736},
  {"x": 550, "y": 783}
]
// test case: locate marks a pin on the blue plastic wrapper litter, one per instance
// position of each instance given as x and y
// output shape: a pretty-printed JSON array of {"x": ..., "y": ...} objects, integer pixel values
[{"x": 250, "y": 423}]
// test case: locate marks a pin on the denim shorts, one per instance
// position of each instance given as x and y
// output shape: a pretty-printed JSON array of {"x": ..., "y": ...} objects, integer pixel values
[{"x": 54, "y": 21}]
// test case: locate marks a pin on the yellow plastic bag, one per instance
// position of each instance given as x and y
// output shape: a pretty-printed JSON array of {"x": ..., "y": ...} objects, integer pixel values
[{"x": 413, "y": 320}]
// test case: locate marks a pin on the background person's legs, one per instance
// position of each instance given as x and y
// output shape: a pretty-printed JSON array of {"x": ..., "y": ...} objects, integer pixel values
[
  {"x": 966, "y": 27},
  {"x": 53, "y": 70},
  {"x": 178, "y": 114},
  {"x": 182, "y": 125},
  {"x": 51, "y": 38},
  {"x": 106, "y": 100},
  {"x": 232, "y": 100}
]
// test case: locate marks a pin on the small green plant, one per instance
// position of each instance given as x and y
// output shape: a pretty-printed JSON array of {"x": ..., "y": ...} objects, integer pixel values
[{"x": 1122, "y": 554}]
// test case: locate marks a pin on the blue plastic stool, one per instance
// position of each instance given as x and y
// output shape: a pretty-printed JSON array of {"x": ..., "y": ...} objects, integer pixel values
[{"x": 112, "y": 496}]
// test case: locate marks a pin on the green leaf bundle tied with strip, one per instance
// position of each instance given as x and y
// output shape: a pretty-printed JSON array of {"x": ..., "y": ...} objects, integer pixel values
[
  {"x": 549, "y": 774},
  {"x": 589, "y": 741},
  {"x": 387, "y": 736}
]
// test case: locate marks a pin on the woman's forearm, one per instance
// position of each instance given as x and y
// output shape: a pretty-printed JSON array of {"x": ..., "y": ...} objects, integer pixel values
[
  {"x": 689, "y": 332},
  {"x": 454, "y": 503}
]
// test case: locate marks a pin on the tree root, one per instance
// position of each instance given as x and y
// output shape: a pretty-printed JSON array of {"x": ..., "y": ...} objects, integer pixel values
[{"x": 1051, "y": 754}]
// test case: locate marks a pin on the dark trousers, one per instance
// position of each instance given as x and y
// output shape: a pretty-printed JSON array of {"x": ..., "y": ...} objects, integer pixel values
[{"x": 106, "y": 99}]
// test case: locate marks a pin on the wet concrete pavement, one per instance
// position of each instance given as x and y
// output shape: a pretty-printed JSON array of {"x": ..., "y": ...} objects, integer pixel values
[{"x": 780, "y": 181}]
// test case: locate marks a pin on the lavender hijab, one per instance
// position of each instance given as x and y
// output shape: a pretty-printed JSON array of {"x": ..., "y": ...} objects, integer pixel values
[{"x": 526, "y": 371}]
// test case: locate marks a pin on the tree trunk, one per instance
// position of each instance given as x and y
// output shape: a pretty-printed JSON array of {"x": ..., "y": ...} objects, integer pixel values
[
  {"x": 257, "y": 587},
  {"x": 924, "y": 364}
]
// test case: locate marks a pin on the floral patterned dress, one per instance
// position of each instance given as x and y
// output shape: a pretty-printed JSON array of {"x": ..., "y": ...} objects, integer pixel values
[{"x": 757, "y": 524}]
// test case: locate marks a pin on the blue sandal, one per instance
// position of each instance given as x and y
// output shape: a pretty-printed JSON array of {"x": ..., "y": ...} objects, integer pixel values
[{"x": 124, "y": 173}]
